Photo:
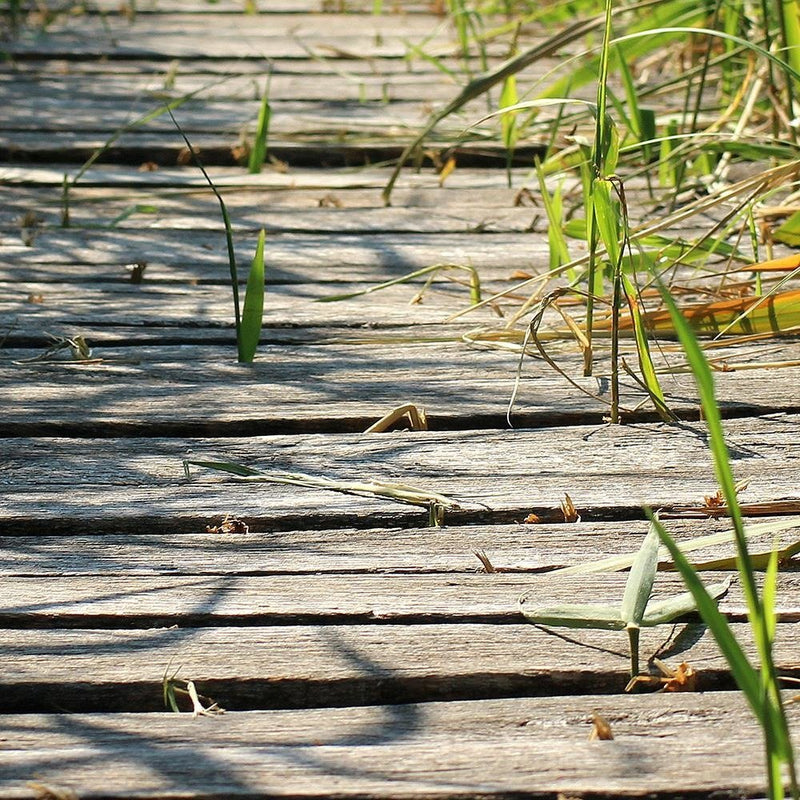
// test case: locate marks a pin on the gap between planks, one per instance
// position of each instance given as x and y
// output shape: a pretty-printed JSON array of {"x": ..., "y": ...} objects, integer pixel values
[{"x": 302, "y": 666}]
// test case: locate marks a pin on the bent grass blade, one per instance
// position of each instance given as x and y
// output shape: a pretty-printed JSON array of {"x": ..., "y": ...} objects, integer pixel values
[
  {"x": 633, "y": 613},
  {"x": 397, "y": 492}
]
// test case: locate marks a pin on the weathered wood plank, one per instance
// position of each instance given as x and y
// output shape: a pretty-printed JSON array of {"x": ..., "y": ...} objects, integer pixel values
[
  {"x": 138, "y": 485},
  {"x": 289, "y": 83},
  {"x": 124, "y": 601},
  {"x": 531, "y": 748},
  {"x": 166, "y": 36},
  {"x": 348, "y": 7},
  {"x": 291, "y": 666},
  {"x": 291, "y": 120},
  {"x": 45, "y": 306},
  {"x": 206, "y": 253},
  {"x": 512, "y": 549},
  {"x": 182, "y": 389},
  {"x": 307, "y": 211}
]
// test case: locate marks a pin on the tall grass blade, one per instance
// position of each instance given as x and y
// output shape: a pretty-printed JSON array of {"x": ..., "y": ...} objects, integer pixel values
[
  {"x": 253, "y": 312},
  {"x": 482, "y": 83},
  {"x": 764, "y": 698},
  {"x": 226, "y": 220},
  {"x": 258, "y": 154},
  {"x": 743, "y": 671}
]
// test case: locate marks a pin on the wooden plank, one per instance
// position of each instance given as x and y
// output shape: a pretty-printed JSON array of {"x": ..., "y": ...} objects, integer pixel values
[
  {"x": 528, "y": 748},
  {"x": 45, "y": 306},
  {"x": 124, "y": 601},
  {"x": 307, "y": 211},
  {"x": 352, "y": 83},
  {"x": 165, "y": 36},
  {"x": 181, "y": 389},
  {"x": 144, "y": 149},
  {"x": 297, "y": 666},
  {"x": 348, "y": 7},
  {"x": 292, "y": 119},
  {"x": 512, "y": 548},
  {"x": 448, "y": 208},
  {"x": 138, "y": 485}
]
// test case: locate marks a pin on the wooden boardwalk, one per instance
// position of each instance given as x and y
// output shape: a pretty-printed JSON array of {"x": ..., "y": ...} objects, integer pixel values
[{"x": 358, "y": 652}]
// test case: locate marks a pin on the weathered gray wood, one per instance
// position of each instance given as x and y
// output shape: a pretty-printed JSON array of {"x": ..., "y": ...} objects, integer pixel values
[
  {"x": 173, "y": 389},
  {"x": 513, "y": 548},
  {"x": 49, "y": 306},
  {"x": 166, "y": 36},
  {"x": 395, "y": 8},
  {"x": 288, "y": 83},
  {"x": 664, "y": 745},
  {"x": 308, "y": 211},
  {"x": 448, "y": 208},
  {"x": 123, "y": 601},
  {"x": 310, "y": 665},
  {"x": 292, "y": 119},
  {"x": 54, "y": 485},
  {"x": 401, "y": 254}
]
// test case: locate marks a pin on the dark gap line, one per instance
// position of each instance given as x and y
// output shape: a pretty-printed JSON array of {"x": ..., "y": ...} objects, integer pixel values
[
  {"x": 301, "y": 155},
  {"x": 197, "y": 620},
  {"x": 252, "y": 694},
  {"x": 402, "y": 518},
  {"x": 278, "y": 426}
]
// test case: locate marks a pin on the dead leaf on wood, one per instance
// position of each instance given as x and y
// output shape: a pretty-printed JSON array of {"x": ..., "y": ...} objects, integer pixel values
[
  {"x": 229, "y": 524},
  {"x": 601, "y": 729},
  {"x": 681, "y": 679},
  {"x": 568, "y": 510}
]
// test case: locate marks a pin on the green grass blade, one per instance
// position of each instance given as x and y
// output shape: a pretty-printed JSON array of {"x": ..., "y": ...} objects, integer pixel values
[
  {"x": 474, "y": 283},
  {"x": 769, "y": 595},
  {"x": 253, "y": 312},
  {"x": 719, "y": 452},
  {"x": 573, "y": 615},
  {"x": 663, "y": 611},
  {"x": 639, "y": 585},
  {"x": 258, "y": 154},
  {"x": 226, "y": 220},
  {"x": 482, "y": 83},
  {"x": 559, "y": 252}
]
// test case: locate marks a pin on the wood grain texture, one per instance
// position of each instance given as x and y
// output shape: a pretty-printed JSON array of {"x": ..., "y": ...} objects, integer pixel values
[
  {"x": 528, "y": 748},
  {"x": 530, "y": 549},
  {"x": 295, "y": 666},
  {"x": 123, "y": 601},
  {"x": 325, "y": 387},
  {"x": 138, "y": 484}
]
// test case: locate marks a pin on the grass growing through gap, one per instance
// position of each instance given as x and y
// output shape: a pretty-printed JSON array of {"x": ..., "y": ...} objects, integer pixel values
[
  {"x": 759, "y": 685},
  {"x": 741, "y": 80},
  {"x": 247, "y": 323},
  {"x": 634, "y": 612}
]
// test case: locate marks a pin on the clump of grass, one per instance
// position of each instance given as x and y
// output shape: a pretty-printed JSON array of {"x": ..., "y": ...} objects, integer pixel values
[{"x": 635, "y": 610}]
